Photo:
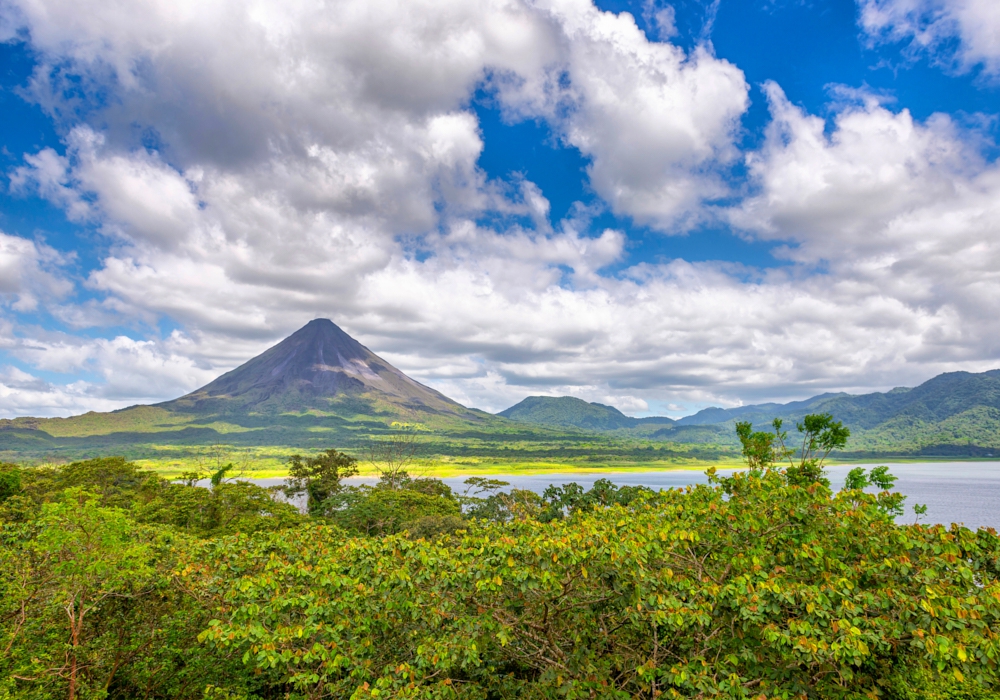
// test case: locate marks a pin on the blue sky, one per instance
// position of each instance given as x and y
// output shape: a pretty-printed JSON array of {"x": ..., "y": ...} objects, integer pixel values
[{"x": 661, "y": 206}]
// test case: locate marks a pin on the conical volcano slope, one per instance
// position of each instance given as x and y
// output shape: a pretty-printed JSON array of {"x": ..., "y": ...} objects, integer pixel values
[{"x": 319, "y": 367}]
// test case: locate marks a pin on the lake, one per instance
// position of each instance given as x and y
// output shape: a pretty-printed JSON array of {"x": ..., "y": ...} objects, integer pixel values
[{"x": 959, "y": 492}]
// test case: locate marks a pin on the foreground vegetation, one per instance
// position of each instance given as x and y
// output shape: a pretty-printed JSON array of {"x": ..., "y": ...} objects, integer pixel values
[{"x": 116, "y": 583}]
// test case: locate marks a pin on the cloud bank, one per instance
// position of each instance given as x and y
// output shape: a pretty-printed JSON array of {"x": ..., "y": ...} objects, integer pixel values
[{"x": 251, "y": 166}]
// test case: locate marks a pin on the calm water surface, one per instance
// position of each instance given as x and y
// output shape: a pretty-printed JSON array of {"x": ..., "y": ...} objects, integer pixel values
[{"x": 959, "y": 492}]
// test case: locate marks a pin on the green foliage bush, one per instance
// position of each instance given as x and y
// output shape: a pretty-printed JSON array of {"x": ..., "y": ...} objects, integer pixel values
[
  {"x": 775, "y": 590},
  {"x": 10, "y": 481},
  {"x": 116, "y": 584},
  {"x": 318, "y": 477},
  {"x": 114, "y": 482},
  {"x": 90, "y": 608},
  {"x": 376, "y": 511}
]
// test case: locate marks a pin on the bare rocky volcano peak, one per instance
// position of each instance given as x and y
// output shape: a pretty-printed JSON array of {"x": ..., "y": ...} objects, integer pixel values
[{"x": 319, "y": 367}]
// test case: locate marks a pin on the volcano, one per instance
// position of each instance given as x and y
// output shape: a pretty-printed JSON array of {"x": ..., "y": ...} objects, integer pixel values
[{"x": 318, "y": 368}]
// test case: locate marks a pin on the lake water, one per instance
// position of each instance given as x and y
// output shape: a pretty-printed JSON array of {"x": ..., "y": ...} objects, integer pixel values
[{"x": 959, "y": 492}]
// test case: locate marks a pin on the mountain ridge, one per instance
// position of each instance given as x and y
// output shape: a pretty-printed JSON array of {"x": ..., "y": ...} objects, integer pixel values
[
  {"x": 954, "y": 413},
  {"x": 937, "y": 399}
]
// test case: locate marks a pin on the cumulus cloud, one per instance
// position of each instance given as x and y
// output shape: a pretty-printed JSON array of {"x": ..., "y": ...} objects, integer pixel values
[
  {"x": 29, "y": 271},
  {"x": 895, "y": 209},
  {"x": 891, "y": 226},
  {"x": 48, "y": 174},
  {"x": 827, "y": 191},
  {"x": 253, "y": 166},
  {"x": 932, "y": 25},
  {"x": 23, "y": 394},
  {"x": 362, "y": 100},
  {"x": 120, "y": 371},
  {"x": 653, "y": 120}
]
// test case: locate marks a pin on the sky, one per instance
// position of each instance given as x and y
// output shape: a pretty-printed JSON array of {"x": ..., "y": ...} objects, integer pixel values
[{"x": 657, "y": 206}]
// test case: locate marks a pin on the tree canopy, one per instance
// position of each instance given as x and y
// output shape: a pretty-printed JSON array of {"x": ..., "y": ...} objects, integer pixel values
[{"x": 767, "y": 584}]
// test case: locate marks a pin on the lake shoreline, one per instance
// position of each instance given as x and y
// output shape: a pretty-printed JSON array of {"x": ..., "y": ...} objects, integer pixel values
[{"x": 955, "y": 491}]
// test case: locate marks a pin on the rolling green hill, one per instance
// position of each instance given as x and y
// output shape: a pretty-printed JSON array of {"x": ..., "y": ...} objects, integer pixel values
[
  {"x": 953, "y": 414},
  {"x": 570, "y": 412}
]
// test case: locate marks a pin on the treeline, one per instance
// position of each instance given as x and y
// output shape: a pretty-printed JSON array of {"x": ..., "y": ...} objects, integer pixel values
[{"x": 115, "y": 583}]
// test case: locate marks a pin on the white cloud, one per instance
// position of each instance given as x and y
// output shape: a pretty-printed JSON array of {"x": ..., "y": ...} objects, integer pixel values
[
  {"x": 662, "y": 18},
  {"x": 48, "y": 173},
  {"x": 23, "y": 394},
  {"x": 319, "y": 159},
  {"x": 825, "y": 192},
  {"x": 930, "y": 25},
  {"x": 654, "y": 121},
  {"x": 29, "y": 271},
  {"x": 362, "y": 101},
  {"x": 895, "y": 209},
  {"x": 119, "y": 371}
]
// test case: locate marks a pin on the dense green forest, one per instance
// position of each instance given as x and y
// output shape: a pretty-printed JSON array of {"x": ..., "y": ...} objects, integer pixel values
[{"x": 117, "y": 583}]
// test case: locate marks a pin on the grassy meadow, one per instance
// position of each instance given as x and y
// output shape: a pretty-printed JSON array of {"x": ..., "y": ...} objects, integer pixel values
[{"x": 433, "y": 459}]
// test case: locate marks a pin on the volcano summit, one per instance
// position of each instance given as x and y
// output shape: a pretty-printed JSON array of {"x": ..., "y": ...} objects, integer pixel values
[
  {"x": 317, "y": 368},
  {"x": 317, "y": 387}
]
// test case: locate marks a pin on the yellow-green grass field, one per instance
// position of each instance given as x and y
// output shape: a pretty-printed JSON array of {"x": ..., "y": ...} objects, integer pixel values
[
  {"x": 271, "y": 465},
  {"x": 270, "y": 462}
]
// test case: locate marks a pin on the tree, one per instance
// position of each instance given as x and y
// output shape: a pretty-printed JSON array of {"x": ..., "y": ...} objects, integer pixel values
[
  {"x": 77, "y": 558},
  {"x": 485, "y": 499},
  {"x": 821, "y": 434},
  {"x": 318, "y": 477},
  {"x": 148, "y": 498},
  {"x": 391, "y": 456},
  {"x": 560, "y": 501},
  {"x": 376, "y": 511},
  {"x": 759, "y": 446},
  {"x": 113, "y": 480},
  {"x": 889, "y": 503},
  {"x": 10, "y": 481},
  {"x": 425, "y": 507},
  {"x": 96, "y": 606},
  {"x": 226, "y": 508}
]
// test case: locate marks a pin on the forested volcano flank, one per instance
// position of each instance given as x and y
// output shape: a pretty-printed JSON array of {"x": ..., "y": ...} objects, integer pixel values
[{"x": 319, "y": 367}]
